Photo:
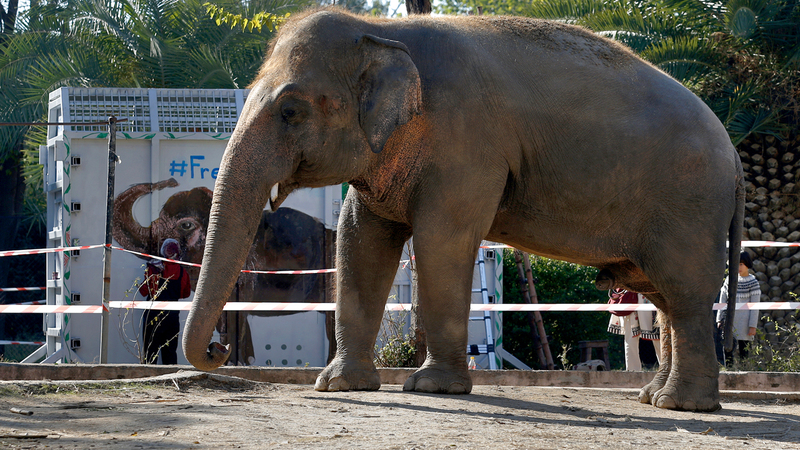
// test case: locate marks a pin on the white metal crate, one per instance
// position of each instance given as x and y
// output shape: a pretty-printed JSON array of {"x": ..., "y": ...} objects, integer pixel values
[
  {"x": 148, "y": 110},
  {"x": 170, "y": 133}
]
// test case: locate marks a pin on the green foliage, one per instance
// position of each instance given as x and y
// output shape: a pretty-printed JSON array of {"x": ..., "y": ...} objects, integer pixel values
[
  {"x": 398, "y": 351},
  {"x": 126, "y": 43},
  {"x": 558, "y": 282},
  {"x": 394, "y": 348},
  {"x": 257, "y": 22},
  {"x": 371, "y": 7},
  {"x": 776, "y": 350}
]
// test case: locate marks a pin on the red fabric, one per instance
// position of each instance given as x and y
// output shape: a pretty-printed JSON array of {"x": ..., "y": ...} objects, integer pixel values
[
  {"x": 171, "y": 271},
  {"x": 628, "y": 297}
]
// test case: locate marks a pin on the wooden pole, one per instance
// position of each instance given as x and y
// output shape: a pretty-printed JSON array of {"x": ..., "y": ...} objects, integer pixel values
[
  {"x": 523, "y": 284},
  {"x": 537, "y": 315}
]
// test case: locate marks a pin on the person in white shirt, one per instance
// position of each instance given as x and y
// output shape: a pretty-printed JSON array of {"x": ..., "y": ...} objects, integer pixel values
[{"x": 744, "y": 321}]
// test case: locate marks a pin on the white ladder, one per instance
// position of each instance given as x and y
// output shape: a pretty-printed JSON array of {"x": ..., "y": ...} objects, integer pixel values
[{"x": 488, "y": 348}]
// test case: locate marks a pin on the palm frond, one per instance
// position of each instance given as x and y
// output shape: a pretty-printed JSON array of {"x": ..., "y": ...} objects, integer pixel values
[
  {"x": 743, "y": 123},
  {"x": 742, "y": 17},
  {"x": 570, "y": 11},
  {"x": 685, "y": 58}
]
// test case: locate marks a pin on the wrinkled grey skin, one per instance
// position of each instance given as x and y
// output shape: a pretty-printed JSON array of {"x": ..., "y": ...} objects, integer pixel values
[{"x": 455, "y": 129}]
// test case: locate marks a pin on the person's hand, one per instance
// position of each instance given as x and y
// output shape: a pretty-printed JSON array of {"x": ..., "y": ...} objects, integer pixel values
[{"x": 751, "y": 331}]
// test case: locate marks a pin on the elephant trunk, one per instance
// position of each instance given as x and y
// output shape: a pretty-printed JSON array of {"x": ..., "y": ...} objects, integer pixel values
[{"x": 241, "y": 192}]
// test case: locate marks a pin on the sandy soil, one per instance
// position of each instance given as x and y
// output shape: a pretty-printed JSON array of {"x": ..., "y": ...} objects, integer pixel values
[{"x": 194, "y": 410}]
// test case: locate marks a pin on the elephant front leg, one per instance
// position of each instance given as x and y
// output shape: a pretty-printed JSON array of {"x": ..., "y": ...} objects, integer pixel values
[
  {"x": 367, "y": 256},
  {"x": 445, "y": 283}
]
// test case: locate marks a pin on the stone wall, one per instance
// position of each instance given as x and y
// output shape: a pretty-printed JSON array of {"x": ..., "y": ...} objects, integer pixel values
[{"x": 772, "y": 171}]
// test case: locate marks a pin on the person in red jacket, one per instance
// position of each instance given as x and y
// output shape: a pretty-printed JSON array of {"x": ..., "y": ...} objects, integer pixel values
[
  {"x": 634, "y": 326},
  {"x": 164, "y": 281}
]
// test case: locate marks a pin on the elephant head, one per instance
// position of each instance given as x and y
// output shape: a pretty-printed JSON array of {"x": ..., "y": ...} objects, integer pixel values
[
  {"x": 183, "y": 217},
  {"x": 327, "y": 99}
]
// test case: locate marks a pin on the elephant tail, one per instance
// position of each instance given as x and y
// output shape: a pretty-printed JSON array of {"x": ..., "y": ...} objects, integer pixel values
[{"x": 734, "y": 253}]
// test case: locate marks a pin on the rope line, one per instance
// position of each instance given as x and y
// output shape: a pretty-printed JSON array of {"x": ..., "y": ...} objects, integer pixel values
[{"x": 269, "y": 306}]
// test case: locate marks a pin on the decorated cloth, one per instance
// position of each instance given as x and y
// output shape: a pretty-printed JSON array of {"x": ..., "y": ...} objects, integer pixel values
[{"x": 643, "y": 323}]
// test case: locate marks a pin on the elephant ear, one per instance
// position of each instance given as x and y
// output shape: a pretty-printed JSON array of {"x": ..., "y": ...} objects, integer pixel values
[{"x": 390, "y": 89}]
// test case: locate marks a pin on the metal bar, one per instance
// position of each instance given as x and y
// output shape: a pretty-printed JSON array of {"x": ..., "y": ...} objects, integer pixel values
[
  {"x": 486, "y": 314},
  {"x": 112, "y": 162},
  {"x": 46, "y": 124}
]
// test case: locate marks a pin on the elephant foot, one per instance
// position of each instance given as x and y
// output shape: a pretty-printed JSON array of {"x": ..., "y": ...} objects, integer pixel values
[
  {"x": 648, "y": 392},
  {"x": 701, "y": 395},
  {"x": 439, "y": 381},
  {"x": 341, "y": 375}
]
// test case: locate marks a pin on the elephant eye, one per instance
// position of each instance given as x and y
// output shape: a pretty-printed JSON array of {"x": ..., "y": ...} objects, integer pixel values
[
  {"x": 186, "y": 226},
  {"x": 292, "y": 112}
]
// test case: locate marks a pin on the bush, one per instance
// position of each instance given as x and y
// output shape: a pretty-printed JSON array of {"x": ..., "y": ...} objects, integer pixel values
[
  {"x": 394, "y": 348},
  {"x": 398, "y": 351},
  {"x": 777, "y": 350}
]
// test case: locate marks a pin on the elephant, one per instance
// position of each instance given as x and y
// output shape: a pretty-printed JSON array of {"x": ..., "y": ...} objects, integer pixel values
[
  {"x": 287, "y": 239},
  {"x": 540, "y": 135}
]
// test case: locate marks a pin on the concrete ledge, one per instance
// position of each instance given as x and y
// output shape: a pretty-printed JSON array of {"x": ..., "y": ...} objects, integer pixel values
[{"x": 788, "y": 382}]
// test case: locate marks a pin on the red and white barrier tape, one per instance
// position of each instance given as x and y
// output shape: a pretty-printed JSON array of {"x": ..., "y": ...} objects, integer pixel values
[
  {"x": 232, "y": 306},
  {"x": 244, "y": 306},
  {"x": 51, "y": 309},
  {"x": 22, "y": 289},
  {"x": 769, "y": 244},
  {"x": 290, "y": 272},
  {"x": 21, "y": 343},
  {"x": 498, "y": 246},
  {"x": 284, "y": 272},
  {"x": 268, "y": 272},
  {"x": 744, "y": 244},
  {"x": 47, "y": 250},
  {"x": 87, "y": 247}
]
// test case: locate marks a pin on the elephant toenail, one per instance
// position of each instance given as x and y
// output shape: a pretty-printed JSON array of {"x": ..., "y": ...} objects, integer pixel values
[
  {"x": 426, "y": 385},
  {"x": 457, "y": 388},
  {"x": 338, "y": 385},
  {"x": 666, "y": 402}
]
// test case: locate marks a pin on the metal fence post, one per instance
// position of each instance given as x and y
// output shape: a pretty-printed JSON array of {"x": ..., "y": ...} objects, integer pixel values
[{"x": 112, "y": 161}]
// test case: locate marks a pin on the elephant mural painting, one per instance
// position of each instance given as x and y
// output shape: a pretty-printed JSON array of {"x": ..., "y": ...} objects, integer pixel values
[
  {"x": 537, "y": 134},
  {"x": 286, "y": 239}
]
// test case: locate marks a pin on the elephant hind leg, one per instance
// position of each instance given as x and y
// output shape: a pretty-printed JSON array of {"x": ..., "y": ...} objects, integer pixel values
[
  {"x": 685, "y": 295},
  {"x": 649, "y": 391},
  {"x": 692, "y": 383},
  {"x": 688, "y": 376}
]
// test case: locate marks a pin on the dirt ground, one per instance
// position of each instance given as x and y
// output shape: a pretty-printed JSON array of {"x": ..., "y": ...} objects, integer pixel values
[{"x": 198, "y": 410}]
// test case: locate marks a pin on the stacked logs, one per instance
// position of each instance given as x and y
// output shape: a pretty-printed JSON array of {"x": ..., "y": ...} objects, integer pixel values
[{"x": 772, "y": 174}]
